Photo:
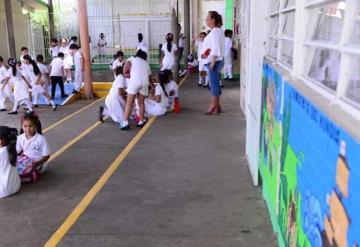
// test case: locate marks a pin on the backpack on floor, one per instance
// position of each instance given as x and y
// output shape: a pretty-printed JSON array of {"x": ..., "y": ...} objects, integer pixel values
[{"x": 26, "y": 169}]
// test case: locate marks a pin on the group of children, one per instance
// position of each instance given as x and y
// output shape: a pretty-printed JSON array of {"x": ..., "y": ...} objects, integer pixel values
[
  {"x": 24, "y": 81},
  {"x": 22, "y": 157}
]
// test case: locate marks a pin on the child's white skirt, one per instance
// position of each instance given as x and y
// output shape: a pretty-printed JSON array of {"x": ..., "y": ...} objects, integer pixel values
[
  {"x": 152, "y": 108},
  {"x": 168, "y": 62},
  {"x": 21, "y": 91},
  {"x": 115, "y": 106}
]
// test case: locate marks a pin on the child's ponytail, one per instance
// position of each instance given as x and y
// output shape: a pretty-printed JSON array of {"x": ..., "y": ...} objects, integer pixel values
[
  {"x": 33, "y": 63},
  {"x": 169, "y": 39},
  {"x": 164, "y": 76},
  {"x": 9, "y": 136}
]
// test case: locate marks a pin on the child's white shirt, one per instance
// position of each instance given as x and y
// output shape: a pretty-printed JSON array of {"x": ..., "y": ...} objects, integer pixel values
[
  {"x": 54, "y": 51},
  {"x": 9, "y": 178},
  {"x": 57, "y": 66},
  {"x": 3, "y": 73},
  {"x": 198, "y": 44},
  {"x": 228, "y": 46},
  {"x": 44, "y": 71},
  {"x": 35, "y": 148},
  {"x": 117, "y": 63},
  {"x": 160, "y": 92},
  {"x": 120, "y": 82},
  {"x": 78, "y": 60},
  {"x": 169, "y": 53}
]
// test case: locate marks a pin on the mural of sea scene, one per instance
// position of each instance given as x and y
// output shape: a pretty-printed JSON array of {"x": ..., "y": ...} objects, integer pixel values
[{"x": 310, "y": 170}]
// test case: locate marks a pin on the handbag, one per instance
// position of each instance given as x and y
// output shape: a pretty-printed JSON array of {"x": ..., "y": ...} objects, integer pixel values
[{"x": 26, "y": 169}]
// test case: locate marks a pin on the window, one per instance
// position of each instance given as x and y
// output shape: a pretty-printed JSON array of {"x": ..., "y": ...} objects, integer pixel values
[
  {"x": 280, "y": 43},
  {"x": 327, "y": 44}
]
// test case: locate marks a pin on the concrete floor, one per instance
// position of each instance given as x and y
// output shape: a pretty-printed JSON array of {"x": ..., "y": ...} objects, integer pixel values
[{"x": 185, "y": 183}]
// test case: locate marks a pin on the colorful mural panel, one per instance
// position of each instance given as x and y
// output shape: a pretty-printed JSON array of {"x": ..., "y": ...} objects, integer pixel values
[{"x": 309, "y": 168}]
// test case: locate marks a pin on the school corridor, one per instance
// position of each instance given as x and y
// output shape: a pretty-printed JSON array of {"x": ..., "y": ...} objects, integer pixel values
[{"x": 180, "y": 181}]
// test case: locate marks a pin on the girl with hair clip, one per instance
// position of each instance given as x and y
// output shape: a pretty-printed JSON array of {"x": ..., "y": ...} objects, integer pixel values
[
  {"x": 32, "y": 144},
  {"x": 169, "y": 52},
  {"x": 21, "y": 86},
  {"x": 158, "y": 101},
  {"x": 115, "y": 101},
  {"x": 34, "y": 75},
  {"x": 9, "y": 178}
]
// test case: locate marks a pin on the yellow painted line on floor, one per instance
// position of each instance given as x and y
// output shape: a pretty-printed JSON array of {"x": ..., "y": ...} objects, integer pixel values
[
  {"x": 89, "y": 197},
  {"x": 71, "y": 115},
  {"x": 75, "y": 140}
]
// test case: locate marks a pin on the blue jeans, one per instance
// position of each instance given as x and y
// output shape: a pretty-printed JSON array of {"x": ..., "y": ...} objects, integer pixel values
[{"x": 214, "y": 76}]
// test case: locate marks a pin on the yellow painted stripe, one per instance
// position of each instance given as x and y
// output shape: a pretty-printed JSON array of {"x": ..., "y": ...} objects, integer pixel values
[
  {"x": 75, "y": 140},
  {"x": 71, "y": 115},
  {"x": 89, "y": 197}
]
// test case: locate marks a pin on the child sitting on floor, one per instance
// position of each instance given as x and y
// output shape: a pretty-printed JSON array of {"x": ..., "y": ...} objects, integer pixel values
[
  {"x": 32, "y": 144},
  {"x": 9, "y": 178}
]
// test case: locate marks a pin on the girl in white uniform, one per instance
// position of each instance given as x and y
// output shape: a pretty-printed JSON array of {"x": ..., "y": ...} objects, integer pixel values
[
  {"x": 68, "y": 60},
  {"x": 45, "y": 72},
  {"x": 203, "y": 78},
  {"x": 79, "y": 67},
  {"x": 141, "y": 44},
  {"x": 169, "y": 50},
  {"x": 116, "y": 99},
  {"x": 9, "y": 178},
  {"x": 158, "y": 101},
  {"x": 5, "y": 88},
  {"x": 34, "y": 76},
  {"x": 102, "y": 43},
  {"x": 21, "y": 85},
  {"x": 33, "y": 144},
  {"x": 137, "y": 69},
  {"x": 228, "y": 59}
]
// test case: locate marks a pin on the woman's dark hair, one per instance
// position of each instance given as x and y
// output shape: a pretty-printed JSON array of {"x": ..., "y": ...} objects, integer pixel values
[
  {"x": 140, "y": 37},
  {"x": 33, "y": 118},
  {"x": 140, "y": 53},
  {"x": 9, "y": 137},
  {"x": 169, "y": 39},
  {"x": 33, "y": 63},
  {"x": 164, "y": 77},
  {"x": 119, "y": 70},
  {"x": 217, "y": 17}
]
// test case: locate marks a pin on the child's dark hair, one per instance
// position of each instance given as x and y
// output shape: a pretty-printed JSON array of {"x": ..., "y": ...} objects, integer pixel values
[
  {"x": 1, "y": 59},
  {"x": 140, "y": 53},
  {"x": 60, "y": 54},
  {"x": 164, "y": 77},
  {"x": 169, "y": 39},
  {"x": 33, "y": 63},
  {"x": 228, "y": 33},
  {"x": 119, "y": 54},
  {"x": 54, "y": 40},
  {"x": 203, "y": 33},
  {"x": 24, "y": 48},
  {"x": 9, "y": 137},
  {"x": 12, "y": 63},
  {"x": 140, "y": 37},
  {"x": 74, "y": 47},
  {"x": 33, "y": 118},
  {"x": 40, "y": 58},
  {"x": 119, "y": 70}
]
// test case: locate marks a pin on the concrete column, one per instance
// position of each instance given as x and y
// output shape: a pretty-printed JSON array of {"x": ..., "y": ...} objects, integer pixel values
[
  {"x": 85, "y": 48},
  {"x": 187, "y": 27},
  {"x": 51, "y": 19},
  {"x": 10, "y": 29},
  {"x": 174, "y": 30}
]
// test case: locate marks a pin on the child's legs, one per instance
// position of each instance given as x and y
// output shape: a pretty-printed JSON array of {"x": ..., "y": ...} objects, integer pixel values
[
  {"x": 61, "y": 85},
  {"x": 68, "y": 74},
  {"x": 47, "y": 97},
  {"x": 28, "y": 104},
  {"x": 141, "y": 103},
  {"x": 2, "y": 99},
  {"x": 54, "y": 81},
  {"x": 78, "y": 79},
  {"x": 35, "y": 98},
  {"x": 16, "y": 105},
  {"x": 128, "y": 107}
]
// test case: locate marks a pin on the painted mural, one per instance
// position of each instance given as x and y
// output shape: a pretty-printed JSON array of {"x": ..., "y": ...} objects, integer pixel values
[{"x": 309, "y": 169}]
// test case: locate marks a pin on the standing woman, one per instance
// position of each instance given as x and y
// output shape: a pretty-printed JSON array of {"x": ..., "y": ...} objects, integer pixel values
[
  {"x": 213, "y": 56},
  {"x": 169, "y": 50}
]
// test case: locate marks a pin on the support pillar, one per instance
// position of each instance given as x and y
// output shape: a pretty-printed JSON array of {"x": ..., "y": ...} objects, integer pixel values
[
  {"x": 51, "y": 19},
  {"x": 187, "y": 28},
  {"x": 10, "y": 29},
  {"x": 85, "y": 48},
  {"x": 174, "y": 28}
]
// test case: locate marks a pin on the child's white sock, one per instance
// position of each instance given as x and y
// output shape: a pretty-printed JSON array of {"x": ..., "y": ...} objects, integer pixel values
[{"x": 124, "y": 123}]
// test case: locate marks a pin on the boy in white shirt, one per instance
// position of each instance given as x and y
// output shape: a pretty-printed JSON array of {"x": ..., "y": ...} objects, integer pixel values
[
  {"x": 198, "y": 42},
  {"x": 24, "y": 51},
  {"x": 79, "y": 67},
  {"x": 228, "y": 55},
  {"x": 57, "y": 74},
  {"x": 54, "y": 49}
]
